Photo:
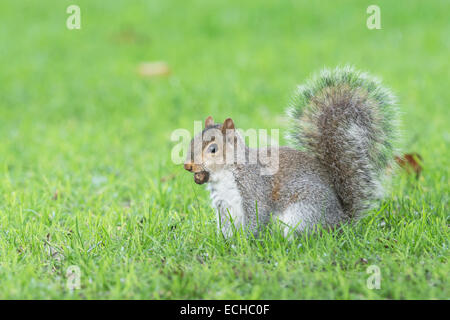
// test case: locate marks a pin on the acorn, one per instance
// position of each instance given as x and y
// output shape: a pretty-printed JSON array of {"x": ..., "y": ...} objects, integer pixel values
[{"x": 201, "y": 177}]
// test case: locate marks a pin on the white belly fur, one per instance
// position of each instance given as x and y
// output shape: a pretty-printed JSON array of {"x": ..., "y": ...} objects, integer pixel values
[{"x": 226, "y": 199}]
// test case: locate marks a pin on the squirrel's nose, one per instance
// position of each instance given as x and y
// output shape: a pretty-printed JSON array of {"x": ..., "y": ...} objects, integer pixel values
[{"x": 188, "y": 166}]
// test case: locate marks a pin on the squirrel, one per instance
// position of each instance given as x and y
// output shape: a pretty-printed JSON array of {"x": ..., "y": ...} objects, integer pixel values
[{"x": 343, "y": 128}]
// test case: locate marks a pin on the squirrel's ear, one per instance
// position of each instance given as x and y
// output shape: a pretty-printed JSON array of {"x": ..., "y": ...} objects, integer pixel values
[
  {"x": 228, "y": 124},
  {"x": 209, "y": 122}
]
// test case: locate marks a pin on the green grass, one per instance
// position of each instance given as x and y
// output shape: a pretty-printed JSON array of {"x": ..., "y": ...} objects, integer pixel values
[{"x": 85, "y": 172}]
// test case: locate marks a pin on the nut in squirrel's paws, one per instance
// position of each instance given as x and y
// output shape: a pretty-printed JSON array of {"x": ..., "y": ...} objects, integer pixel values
[{"x": 201, "y": 177}]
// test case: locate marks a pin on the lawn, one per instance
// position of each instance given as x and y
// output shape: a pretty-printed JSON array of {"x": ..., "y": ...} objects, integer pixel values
[{"x": 86, "y": 176}]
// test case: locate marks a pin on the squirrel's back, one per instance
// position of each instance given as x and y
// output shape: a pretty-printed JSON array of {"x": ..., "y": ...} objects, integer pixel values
[{"x": 347, "y": 121}]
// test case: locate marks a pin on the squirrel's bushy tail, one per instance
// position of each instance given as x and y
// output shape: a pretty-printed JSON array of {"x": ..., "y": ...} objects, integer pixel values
[{"x": 347, "y": 120}]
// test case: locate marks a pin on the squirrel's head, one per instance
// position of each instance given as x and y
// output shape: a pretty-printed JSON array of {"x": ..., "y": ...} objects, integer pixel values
[{"x": 208, "y": 150}]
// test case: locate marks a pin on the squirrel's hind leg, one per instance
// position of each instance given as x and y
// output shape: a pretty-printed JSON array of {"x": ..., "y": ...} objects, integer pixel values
[
  {"x": 301, "y": 216},
  {"x": 297, "y": 217}
]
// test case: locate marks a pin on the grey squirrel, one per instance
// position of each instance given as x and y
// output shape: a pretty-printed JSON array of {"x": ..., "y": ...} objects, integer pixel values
[{"x": 344, "y": 125}]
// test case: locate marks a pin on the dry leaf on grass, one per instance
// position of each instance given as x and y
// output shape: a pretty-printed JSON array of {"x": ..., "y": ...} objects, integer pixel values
[
  {"x": 410, "y": 162},
  {"x": 168, "y": 177},
  {"x": 153, "y": 69},
  {"x": 130, "y": 36}
]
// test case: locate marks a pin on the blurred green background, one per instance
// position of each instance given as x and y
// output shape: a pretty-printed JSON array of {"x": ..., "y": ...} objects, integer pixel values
[
  {"x": 76, "y": 93},
  {"x": 86, "y": 138}
]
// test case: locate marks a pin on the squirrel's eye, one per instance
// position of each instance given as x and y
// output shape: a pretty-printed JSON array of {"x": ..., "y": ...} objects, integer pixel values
[{"x": 213, "y": 148}]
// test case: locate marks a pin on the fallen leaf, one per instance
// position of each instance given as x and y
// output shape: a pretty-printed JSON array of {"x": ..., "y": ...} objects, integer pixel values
[
  {"x": 154, "y": 69},
  {"x": 168, "y": 177},
  {"x": 130, "y": 36},
  {"x": 410, "y": 162}
]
